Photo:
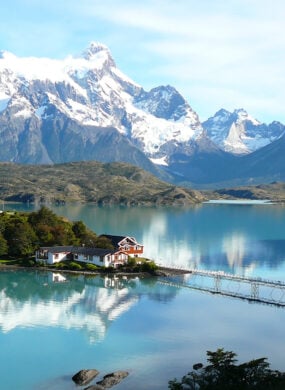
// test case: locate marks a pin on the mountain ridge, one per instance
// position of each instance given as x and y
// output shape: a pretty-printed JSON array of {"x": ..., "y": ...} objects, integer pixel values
[
  {"x": 84, "y": 108},
  {"x": 92, "y": 91},
  {"x": 239, "y": 133}
]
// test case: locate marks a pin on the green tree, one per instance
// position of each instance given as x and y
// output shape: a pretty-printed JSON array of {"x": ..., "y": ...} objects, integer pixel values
[
  {"x": 2, "y": 222},
  {"x": 63, "y": 234},
  {"x": 51, "y": 229},
  {"x": 3, "y": 245},
  {"x": 20, "y": 237},
  {"x": 149, "y": 266},
  {"x": 83, "y": 235},
  {"x": 45, "y": 234},
  {"x": 44, "y": 216},
  {"x": 223, "y": 374},
  {"x": 104, "y": 242},
  {"x": 79, "y": 229}
]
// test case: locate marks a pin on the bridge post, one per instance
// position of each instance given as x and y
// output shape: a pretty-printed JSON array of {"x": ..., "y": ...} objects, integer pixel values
[
  {"x": 218, "y": 283},
  {"x": 254, "y": 290}
]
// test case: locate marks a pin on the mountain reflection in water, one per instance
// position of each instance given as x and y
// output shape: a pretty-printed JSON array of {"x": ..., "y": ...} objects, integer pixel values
[{"x": 90, "y": 303}]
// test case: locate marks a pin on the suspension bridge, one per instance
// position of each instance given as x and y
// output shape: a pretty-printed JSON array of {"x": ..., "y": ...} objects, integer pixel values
[{"x": 259, "y": 290}]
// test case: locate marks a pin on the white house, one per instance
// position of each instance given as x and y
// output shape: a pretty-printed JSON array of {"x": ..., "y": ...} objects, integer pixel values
[{"x": 96, "y": 256}]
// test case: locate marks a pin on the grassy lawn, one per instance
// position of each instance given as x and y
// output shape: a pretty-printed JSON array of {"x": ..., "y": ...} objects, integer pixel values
[
  {"x": 25, "y": 262},
  {"x": 9, "y": 261}
]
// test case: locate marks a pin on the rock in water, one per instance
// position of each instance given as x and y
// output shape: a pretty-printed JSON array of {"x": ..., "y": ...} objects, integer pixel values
[
  {"x": 95, "y": 387},
  {"x": 83, "y": 377},
  {"x": 113, "y": 379}
]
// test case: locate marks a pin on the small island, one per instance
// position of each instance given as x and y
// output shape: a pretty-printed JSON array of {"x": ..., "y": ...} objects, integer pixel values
[{"x": 43, "y": 239}]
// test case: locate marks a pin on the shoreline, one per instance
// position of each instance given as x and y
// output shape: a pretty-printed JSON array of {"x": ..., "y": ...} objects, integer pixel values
[{"x": 161, "y": 271}]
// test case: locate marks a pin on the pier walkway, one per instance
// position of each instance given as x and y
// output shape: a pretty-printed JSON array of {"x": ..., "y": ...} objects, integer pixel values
[{"x": 270, "y": 292}]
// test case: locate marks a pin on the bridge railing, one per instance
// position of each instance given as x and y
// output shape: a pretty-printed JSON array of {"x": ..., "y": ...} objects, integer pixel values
[{"x": 252, "y": 289}]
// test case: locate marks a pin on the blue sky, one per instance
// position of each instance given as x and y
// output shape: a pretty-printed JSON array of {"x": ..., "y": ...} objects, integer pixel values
[{"x": 217, "y": 53}]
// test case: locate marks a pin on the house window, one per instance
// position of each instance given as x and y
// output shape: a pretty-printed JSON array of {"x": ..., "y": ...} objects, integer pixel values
[
  {"x": 56, "y": 255},
  {"x": 101, "y": 259},
  {"x": 75, "y": 256}
]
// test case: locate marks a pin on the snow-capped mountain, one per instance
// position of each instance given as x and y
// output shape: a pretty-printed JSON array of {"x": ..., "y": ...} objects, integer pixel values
[
  {"x": 84, "y": 108},
  {"x": 47, "y": 104},
  {"x": 239, "y": 133}
]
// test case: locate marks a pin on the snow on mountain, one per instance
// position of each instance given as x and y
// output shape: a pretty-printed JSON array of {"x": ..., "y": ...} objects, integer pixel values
[
  {"x": 90, "y": 90},
  {"x": 84, "y": 108},
  {"x": 239, "y": 133}
]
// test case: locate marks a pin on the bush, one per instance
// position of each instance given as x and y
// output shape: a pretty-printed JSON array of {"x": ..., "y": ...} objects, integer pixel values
[
  {"x": 40, "y": 263},
  {"x": 68, "y": 265},
  {"x": 149, "y": 266},
  {"x": 131, "y": 262},
  {"x": 60, "y": 265},
  {"x": 75, "y": 266},
  {"x": 91, "y": 267},
  {"x": 109, "y": 269},
  {"x": 29, "y": 263}
]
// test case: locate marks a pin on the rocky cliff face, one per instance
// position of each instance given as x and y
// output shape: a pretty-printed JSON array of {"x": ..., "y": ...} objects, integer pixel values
[
  {"x": 55, "y": 111},
  {"x": 239, "y": 133}
]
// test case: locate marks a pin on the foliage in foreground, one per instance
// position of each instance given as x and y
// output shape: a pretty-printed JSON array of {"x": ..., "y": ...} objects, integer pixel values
[{"x": 222, "y": 373}]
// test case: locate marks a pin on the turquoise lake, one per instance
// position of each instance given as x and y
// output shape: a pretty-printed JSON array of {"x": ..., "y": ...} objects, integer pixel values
[{"x": 51, "y": 326}]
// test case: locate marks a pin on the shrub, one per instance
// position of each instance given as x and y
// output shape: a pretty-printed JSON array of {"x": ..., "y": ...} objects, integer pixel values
[
  {"x": 60, "y": 265},
  {"x": 29, "y": 263},
  {"x": 75, "y": 266},
  {"x": 149, "y": 266},
  {"x": 40, "y": 263},
  {"x": 91, "y": 267},
  {"x": 131, "y": 262}
]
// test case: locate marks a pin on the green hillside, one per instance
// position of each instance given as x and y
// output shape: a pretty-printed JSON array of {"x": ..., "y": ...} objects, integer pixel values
[{"x": 110, "y": 183}]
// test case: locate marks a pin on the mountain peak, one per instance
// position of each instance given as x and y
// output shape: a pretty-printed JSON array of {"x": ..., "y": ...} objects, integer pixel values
[
  {"x": 221, "y": 116},
  {"x": 98, "y": 53},
  {"x": 238, "y": 132},
  {"x": 93, "y": 49},
  {"x": 241, "y": 114},
  {"x": 222, "y": 112},
  {"x": 240, "y": 111}
]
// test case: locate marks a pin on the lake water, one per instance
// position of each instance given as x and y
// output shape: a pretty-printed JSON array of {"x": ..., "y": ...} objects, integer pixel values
[{"x": 52, "y": 327}]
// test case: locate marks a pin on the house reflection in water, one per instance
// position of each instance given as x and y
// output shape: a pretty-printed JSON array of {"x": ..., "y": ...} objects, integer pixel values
[{"x": 87, "y": 303}]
